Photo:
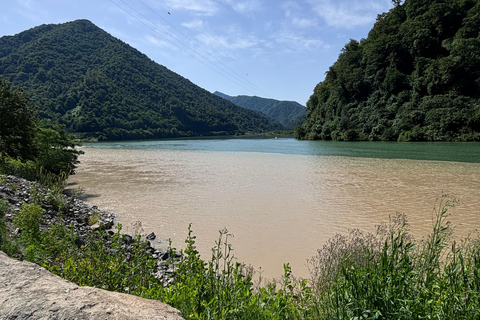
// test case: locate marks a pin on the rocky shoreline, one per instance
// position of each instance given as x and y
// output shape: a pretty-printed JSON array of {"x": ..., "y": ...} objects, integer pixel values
[{"x": 75, "y": 213}]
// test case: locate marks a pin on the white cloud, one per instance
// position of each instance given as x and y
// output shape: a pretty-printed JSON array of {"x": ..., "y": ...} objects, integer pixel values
[
  {"x": 349, "y": 14},
  {"x": 246, "y": 6},
  {"x": 290, "y": 7},
  {"x": 202, "y": 7},
  {"x": 25, "y": 3},
  {"x": 194, "y": 24},
  {"x": 293, "y": 41},
  {"x": 224, "y": 43},
  {"x": 157, "y": 42},
  {"x": 304, "y": 23},
  {"x": 296, "y": 16}
]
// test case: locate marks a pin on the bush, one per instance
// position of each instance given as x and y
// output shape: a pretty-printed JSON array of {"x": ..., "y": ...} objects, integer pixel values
[
  {"x": 28, "y": 220},
  {"x": 112, "y": 263},
  {"x": 355, "y": 278},
  {"x": 387, "y": 275}
]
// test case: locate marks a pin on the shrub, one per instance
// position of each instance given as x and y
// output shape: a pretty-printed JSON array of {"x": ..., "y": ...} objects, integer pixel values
[
  {"x": 393, "y": 276},
  {"x": 28, "y": 220}
]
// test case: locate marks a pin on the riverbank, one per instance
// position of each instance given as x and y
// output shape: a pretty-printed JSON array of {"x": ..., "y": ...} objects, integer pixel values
[
  {"x": 65, "y": 212},
  {"x": 360, "y": 275}
]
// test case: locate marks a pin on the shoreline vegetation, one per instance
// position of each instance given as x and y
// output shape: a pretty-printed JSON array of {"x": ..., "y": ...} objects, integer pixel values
[
  {"x": 265, "y": 135},
  {"x": 360, "y": 275},
  {"x": 415, "y": 77},
  {"x": 387, "y": 275},
  {"x": 386, "y": 87}
]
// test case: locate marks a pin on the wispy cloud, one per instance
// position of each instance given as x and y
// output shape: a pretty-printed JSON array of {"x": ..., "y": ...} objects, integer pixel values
[
  {"x": 194, "y": 24},
  {"x": 25, "y": 3},
  {"x": 349, "y": 14},
  {"x": 304, "y": 22},
  {"x": 295, "y": 15},
  {"x": 246, "y": 6},
  {"x": 294, "y": 41},
  {"x": 31, "y": 11},
  {"x": 227, "y": 43},
  {"x": 157, "y": 42},
  {"x": 200, "y": 7},
  {"x": 290, "y": 7}
]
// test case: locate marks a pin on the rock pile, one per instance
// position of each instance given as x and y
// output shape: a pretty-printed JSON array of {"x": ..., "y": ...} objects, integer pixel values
[
  {"x": 18, "y": 191},
  {"x": 28, "y": 291},
  {"x": 76, "y": 213}
]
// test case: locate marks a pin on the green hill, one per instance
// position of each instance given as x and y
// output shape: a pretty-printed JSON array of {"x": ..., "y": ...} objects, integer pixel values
[
  {"x": 81, "y": 76},
  {"x": 415, "y": 77},
  {"x": 288, "y": 113}
]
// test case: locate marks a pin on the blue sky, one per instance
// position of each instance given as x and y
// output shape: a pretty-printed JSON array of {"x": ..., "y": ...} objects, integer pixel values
[{"x": 277, "y": 49}]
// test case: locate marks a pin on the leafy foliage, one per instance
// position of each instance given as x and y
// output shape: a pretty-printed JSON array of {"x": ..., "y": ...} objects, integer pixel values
[
  {"x": 93, "y": 83},
  {"x": 28, "y": 220},
  {"x": 16, "y": 122},
  {"x": 30, "y": 148},
  {"x": 389, "y": 275},
  {"x": 288, "y": 113},
  {"x": 415, "y": 77}
]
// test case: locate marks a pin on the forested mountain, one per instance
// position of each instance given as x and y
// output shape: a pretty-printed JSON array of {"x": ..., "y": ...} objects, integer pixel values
[
  {"x": 415, "y": 77},
  {"x": 81, "y": 76},
  {"x": 288, "y": 113}
]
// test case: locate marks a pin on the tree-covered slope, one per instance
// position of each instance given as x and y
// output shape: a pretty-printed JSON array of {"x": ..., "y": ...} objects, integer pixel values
[
  {"x": 415, "y": 77},
  {"x": 81, "y": 76},
  {"x": 288, "y": 113}
]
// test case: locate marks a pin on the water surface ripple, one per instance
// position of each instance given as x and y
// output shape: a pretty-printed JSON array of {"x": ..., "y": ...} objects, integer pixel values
[{"x": 280, "y": 205}]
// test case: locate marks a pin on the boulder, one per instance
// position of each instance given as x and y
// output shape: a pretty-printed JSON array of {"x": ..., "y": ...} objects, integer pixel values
[{"x": 28, "y": 291}]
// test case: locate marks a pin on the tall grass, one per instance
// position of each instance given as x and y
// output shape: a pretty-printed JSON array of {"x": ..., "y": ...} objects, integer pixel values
[
  {"x": 33, "y": 171},
  {"x": 435, "y": 278},
  {"x": 386, "y": 275}
]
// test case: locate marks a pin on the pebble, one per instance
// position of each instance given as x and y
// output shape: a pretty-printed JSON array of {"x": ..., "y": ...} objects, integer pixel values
[{"x": 17, "y": 191}]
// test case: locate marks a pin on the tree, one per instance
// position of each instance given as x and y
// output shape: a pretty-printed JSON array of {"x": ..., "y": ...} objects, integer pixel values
[
  {"x": 23, "y": 137},
  {"x": 396, "y": 3},
  {"x": 415, "y": 77},
  {"x": 55, "y": 149},
  {"x": 17, "y": 123}
]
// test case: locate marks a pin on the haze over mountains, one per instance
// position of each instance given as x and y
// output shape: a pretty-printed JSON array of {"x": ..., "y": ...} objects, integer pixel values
[
  {"x": 288, "y": 113},
  {"x": 81, "y": 76}
]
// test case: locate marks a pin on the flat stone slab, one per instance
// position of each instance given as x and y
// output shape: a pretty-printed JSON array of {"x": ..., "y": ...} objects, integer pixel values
[{"x": 28, "y": 291}]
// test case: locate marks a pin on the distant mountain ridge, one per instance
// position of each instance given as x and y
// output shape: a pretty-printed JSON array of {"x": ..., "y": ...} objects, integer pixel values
[
  {"x": 83, "y": 77},
  {"x": 288, "y": 113}
]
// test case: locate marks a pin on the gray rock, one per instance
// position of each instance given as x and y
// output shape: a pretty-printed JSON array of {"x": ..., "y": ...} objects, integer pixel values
[
  {"x": 151, "y": 236},
  {"x": 28, "y": 291}
]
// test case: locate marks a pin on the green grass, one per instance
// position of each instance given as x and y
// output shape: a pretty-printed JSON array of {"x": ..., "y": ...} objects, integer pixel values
[{"x": 386, "y": 275}]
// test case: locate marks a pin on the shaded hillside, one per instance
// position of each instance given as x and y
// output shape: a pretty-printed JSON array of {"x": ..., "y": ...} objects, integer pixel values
[
  {"x": 416, "y": 77},
  {"x": 81, "y": 76},
  {"x": 288, "y": 113}
]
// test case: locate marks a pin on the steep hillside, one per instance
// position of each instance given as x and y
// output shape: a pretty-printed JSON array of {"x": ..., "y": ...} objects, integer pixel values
[
  {"x": 288, "y": 113},
  {"x": 415, "y": 77},
  {"x": 83, "y": 77}
]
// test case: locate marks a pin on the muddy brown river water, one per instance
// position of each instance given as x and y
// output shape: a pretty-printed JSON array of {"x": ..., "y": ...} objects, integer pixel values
[{"x": 279, "y": 207}]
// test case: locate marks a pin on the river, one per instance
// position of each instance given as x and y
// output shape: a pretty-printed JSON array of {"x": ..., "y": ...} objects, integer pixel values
[{"x": 282, "y": 199}]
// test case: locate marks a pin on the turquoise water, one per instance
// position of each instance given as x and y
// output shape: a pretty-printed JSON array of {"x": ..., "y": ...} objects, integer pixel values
[{"x": 439, "y": 151}]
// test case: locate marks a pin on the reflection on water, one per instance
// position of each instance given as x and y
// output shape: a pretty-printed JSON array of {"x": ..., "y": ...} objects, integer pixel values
[{"x": 279, "y": 207}]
